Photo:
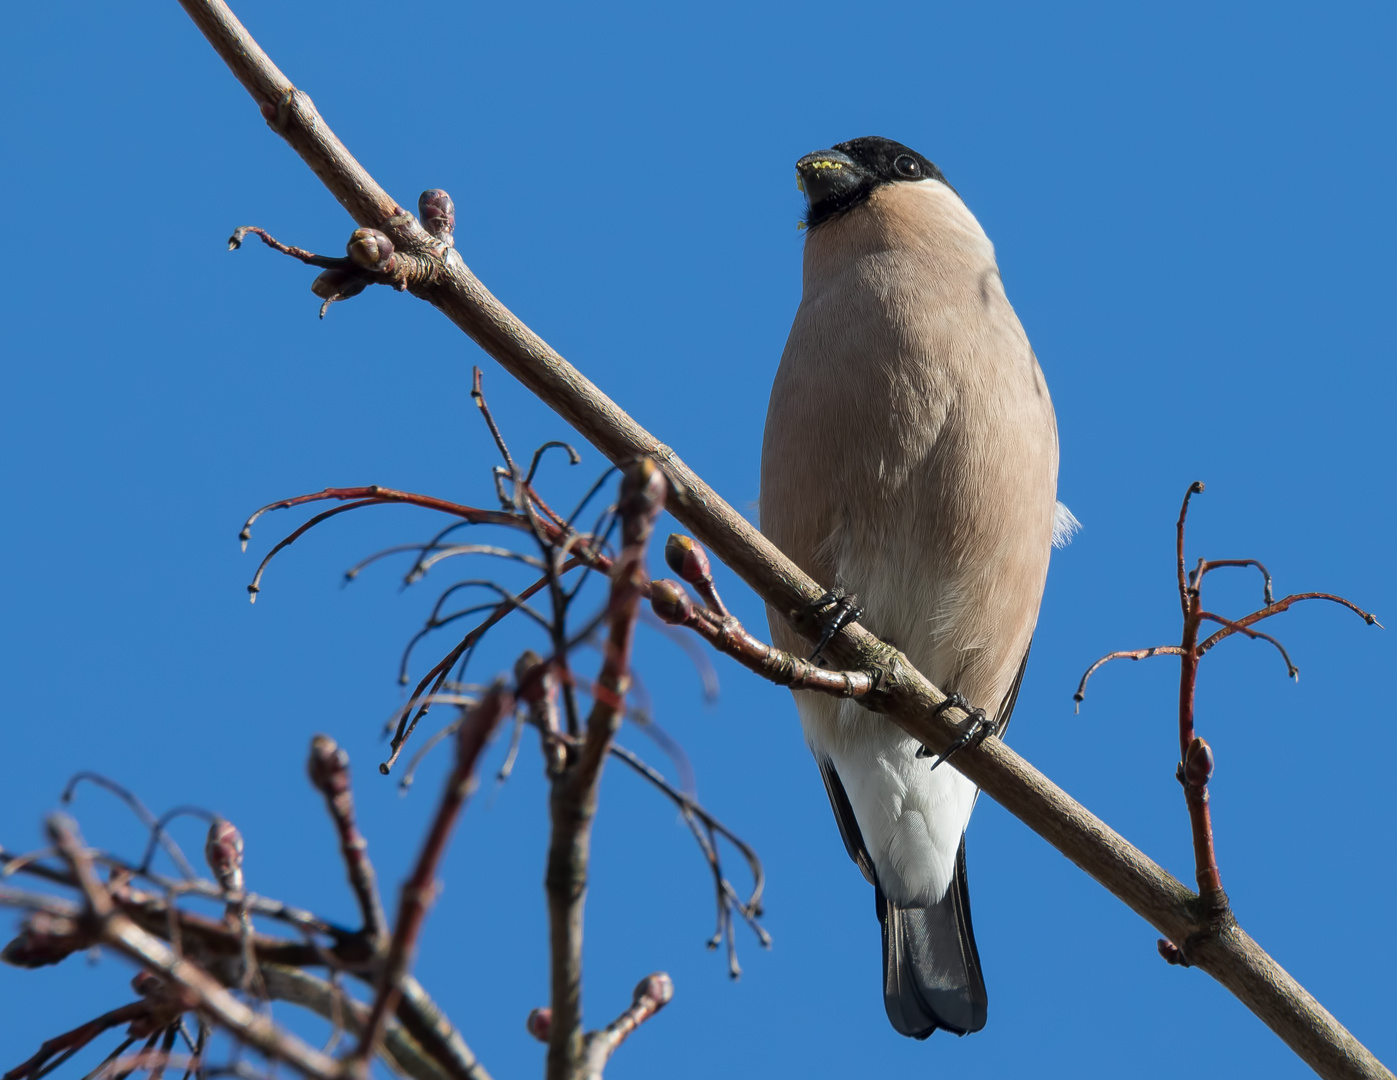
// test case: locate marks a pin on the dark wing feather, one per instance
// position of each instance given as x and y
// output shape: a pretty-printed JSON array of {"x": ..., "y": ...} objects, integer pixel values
[
  {"x": 1006, "y": 707},
  {"x": 844, "y": 816}
]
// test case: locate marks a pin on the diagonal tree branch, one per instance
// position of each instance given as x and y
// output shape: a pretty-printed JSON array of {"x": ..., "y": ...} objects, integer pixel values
[{"x": 906, "y": 696}]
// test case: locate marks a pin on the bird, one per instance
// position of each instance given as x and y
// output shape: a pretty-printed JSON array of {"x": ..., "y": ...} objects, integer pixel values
[{"x": 910, "y": 460}]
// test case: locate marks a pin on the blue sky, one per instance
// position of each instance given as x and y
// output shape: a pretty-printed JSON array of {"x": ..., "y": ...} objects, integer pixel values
[{"x": 1192, "y": 210}]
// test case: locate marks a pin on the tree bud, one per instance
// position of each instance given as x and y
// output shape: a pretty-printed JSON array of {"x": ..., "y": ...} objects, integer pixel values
[
  {"x": 438, "y": 214},
  {"x": 686, "y": 557},
  {"x": 372, "y": 250},
  {"x": 656, "y": 989},
  {"x": 224, "y": 853},
  {"x": 670, "y": 602},
  {"x": 328, "y": 766},
  {"x": 540, "y": 1023},
  {"x": 338, "y": 285},
  {"x": 1198, "y": 763}
]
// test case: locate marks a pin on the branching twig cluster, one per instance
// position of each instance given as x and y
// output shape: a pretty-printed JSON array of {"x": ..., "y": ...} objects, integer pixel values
[
  {"x": 203, "y": 975},
  {"x": 1195, "y": 766}
]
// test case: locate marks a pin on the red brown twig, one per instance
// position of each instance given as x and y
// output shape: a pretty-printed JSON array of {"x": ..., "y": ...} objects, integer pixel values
[
  {"x": 651, "y": 995},
  {"x": 420, "y": 888},
  {"x": 69, "y": 1043},
  {"x": 573, "y": 794},
  {"x": 1196, "y": 762},
  {"x": 672, "y": 604},
  {"x": 328, "y": 768},
  {"x": 201, "y": 990}
]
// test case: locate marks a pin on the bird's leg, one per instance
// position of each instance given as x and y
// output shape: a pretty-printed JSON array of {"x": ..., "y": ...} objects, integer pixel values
[
  {"x": 977, "y": 728},
  {"x": 843, "y": 609}
]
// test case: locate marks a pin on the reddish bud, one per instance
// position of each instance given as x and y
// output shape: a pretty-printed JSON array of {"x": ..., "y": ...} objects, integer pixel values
[
  {"x": 1198, "y": 763},
  {"x": 641, "y": 499},
  {"x": 540, "y": 1023},
  {"x": 224, "y": 853},
  {"x": 338, "y": 285},
  {"x": 670, "y": 602},
  {"x": 533, "y": 685},
  {"x": 328, "y": 766},
  {"x": 1171, "y": 953},
  {"x": 687, "y": 558},
  {"x": 372, "y": 250},
  {"x": 657, "y": 990},
  {"x": 438, "y": 214}
]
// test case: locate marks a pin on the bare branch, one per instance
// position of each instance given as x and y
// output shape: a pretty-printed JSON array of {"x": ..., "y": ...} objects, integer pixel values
[
  {"x": 1207, "y": 565},
  {"x": 202, "y": 991},
  {"x": 652, "y": 994},
  {"x": 672, "y": 604},
  {"x": 906, "y": 696},
  {"x": 1276, "y": 608},
  {"x": 326, "y": 1000},
  {"x": 70, "y": 1042},
  {"x": 138, "y": 808},
  {"x": 1195, "y": 488},
  {"x": 573, "y": 797},
  {"x": 328, "y": 768},
  {"x": 1257, "y": 635},
  {"x": 1122, "y": 654},
  {"x": 420, "y": 888}
]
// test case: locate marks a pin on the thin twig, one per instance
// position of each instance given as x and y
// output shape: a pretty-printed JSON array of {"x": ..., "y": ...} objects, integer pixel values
[
  {"x": 420, "y": 888},
  {"x": 138, "y": 808},
  {"x": 328, "y": 768},
  {"x": 652, "y": 994},
  {"x": 1122, "y": 654},
  {"x": 203, "y": 991},
  {"x": 672, "y": 604}
]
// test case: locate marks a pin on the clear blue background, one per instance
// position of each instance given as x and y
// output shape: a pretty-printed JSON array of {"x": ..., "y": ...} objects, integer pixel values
[{"x": 1192, "y": 207}]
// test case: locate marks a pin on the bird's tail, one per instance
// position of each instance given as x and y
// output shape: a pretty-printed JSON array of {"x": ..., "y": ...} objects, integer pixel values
[{"x": 931, "y": 968}]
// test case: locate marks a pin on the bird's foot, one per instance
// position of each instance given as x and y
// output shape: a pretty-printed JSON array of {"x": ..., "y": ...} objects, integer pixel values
[
  {"x": 977, "y": 728},
  {"x": 842, "y": 608}
]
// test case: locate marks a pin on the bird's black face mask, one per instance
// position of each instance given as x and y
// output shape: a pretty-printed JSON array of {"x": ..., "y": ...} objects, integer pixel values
[{"x": 837, "y": 179}]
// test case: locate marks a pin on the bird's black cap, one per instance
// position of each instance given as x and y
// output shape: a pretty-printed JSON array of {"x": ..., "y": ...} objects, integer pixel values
[{"x": 838, "y": 179}]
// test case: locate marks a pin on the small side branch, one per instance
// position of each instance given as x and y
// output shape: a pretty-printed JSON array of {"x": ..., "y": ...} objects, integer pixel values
[
  {"x": 1122, "y": 654},
  {"x": 200, "y": 990},
  {"x": 672, "y": 604},
  {"x": 328, "y": 768},
  {"x": 651, "y": 995},
  {"x": 420, "y": 888}
]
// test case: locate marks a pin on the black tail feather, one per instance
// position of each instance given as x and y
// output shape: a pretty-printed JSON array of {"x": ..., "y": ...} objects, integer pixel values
[{"x": 931, "y": 968}]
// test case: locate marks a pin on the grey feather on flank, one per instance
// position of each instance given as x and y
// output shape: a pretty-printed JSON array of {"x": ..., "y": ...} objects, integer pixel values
[{"x": 1065, "y": 525}]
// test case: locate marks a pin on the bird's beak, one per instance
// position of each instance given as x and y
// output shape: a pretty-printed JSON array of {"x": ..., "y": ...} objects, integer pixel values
[{"x": 827, "y": 175}]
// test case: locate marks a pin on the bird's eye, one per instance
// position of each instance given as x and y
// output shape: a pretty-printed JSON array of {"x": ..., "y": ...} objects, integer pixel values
[{"x": 907, "y": 165}]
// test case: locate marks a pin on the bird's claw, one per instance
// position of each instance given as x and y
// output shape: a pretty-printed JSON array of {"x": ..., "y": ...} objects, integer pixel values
[
  {"x": 977, "y": 728},
  {"x": 843, "y": 609}
]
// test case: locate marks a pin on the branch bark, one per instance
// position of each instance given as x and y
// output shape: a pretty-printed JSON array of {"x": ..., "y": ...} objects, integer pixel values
[
  {"x": 201, "y": 989},
  {"x": 906, "y": 696},
  {"x": 573, "y": 796}
]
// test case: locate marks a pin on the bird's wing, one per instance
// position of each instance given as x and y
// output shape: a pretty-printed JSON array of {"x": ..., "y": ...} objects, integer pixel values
[
  {"x": 848, "y": 825},
  {"x": 1006, "y": 707}
]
